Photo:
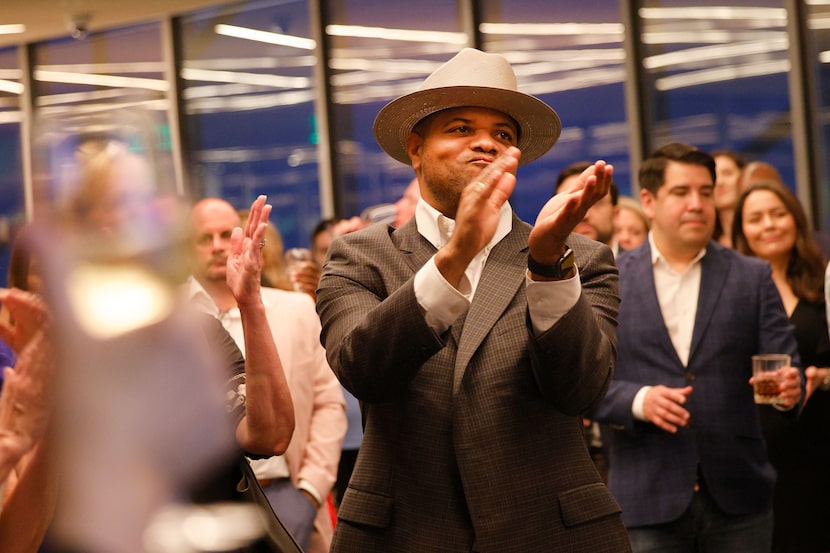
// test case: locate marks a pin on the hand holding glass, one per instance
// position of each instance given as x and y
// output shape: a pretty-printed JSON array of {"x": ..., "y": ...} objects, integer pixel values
[
  {"x": 767, "y": 370},
  {"x": 294, "y": 259}
]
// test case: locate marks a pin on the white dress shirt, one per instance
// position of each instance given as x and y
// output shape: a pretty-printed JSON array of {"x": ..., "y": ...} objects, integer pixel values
[
  {"x": 677, "y": 294},
  {"x": 547, "y": 301}
]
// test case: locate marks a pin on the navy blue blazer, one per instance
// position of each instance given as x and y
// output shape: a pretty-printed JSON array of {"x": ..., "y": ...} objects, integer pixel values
[{"x": 652, "y": 472}]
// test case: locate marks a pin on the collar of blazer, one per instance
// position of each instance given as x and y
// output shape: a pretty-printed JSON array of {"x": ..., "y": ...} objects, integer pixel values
[{"x": 501, "y": 280}]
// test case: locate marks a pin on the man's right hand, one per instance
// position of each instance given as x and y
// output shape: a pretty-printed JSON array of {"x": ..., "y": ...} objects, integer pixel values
[
  {"x": 663, "y": 407},
  {"x": 478, "y": 214},
  {"x": 245, "y": 257}
]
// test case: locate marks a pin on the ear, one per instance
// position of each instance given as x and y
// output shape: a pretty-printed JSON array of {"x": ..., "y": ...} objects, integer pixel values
[
  {"x": 414, "y": 145},
  {"x": 647, "y": 201}
]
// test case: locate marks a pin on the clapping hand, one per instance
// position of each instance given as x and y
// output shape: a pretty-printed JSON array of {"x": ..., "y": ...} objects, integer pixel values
[
  {"x": 28, "y": 316},
  {"x": 245, "y": 258},
  {"x": 560, "y": 215}
]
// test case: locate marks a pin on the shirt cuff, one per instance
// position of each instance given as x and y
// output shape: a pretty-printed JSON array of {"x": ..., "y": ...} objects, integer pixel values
[
  {"x": 637, "y": 404},
  {"x": 548, "y": 301},
  {"x": 306, "y": 485},
  {"x": 441, "y": 302}
]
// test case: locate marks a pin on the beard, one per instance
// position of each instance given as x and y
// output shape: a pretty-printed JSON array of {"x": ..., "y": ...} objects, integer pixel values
[{"x": 444, "y": 185}]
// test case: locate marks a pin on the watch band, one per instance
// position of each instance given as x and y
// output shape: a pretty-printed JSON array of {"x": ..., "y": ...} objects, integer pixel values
[{"x": 560, "y": 269}]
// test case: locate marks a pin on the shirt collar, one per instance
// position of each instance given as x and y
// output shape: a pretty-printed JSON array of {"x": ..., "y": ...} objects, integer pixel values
[
  {"x": 196, "y": 294},
  {"x": 427, "y": 220},
  {"x": 657, "y": 256}
]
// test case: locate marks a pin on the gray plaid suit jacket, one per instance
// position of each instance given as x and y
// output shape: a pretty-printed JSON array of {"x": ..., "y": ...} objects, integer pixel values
[
  {"x": 653, "y": 473},
  {"x": 473, "y": 439}
]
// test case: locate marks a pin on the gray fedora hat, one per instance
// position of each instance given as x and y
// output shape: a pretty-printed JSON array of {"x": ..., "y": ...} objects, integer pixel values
[{"x": 472, "y": 78}]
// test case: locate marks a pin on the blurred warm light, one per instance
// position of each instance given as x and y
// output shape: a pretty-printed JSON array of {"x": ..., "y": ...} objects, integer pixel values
[
  {"x": 554, "y": 29},
  {"x": 112, "y": 300},
  {"x": 265, "y": 36},
  {"x": 749, "y": 15},
  {"x": 11, "y": 87},
  {"x": 731, "y": 72},
  {"x": 708, "y": 53},
  {"x": 260, "y": 79},
  {"x": 12, "y": 29},
  {"x": 100, "y": 80},
  {"x": 396, "y": 34}
]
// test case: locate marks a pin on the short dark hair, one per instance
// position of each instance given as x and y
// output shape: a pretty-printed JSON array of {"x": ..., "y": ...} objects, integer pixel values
[
  {"x": 740, "y": 162},
  {"x": 577, "y": 169},
  {"x": 653, "y": 170}
]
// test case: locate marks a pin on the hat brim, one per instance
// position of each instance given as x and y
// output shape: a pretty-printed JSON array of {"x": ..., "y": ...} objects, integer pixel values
[{"x": 539, "y": 124}]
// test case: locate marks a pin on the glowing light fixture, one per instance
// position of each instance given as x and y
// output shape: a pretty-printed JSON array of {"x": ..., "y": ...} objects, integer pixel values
[
  {"x": 396, "y": 34},
  {"x": 265, "y": 36},
  {"x": 11, "y": 87},
  {"x": 101, "y": 80},
  {"x": 12, "y": 29}
]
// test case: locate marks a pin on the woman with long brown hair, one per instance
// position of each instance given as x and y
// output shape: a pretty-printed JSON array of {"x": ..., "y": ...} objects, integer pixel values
[{"x": 770, "y": 223}]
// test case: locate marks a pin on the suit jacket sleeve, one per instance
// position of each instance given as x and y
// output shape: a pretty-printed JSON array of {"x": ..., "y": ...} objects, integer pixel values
[
  {"x": 377, "y": 339},
  {"x": 374, "y": 331},
  {"x": 573, "y": 361}
]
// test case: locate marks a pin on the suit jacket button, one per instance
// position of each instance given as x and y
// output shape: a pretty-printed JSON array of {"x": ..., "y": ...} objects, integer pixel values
[{"x": 690, "y": 376}]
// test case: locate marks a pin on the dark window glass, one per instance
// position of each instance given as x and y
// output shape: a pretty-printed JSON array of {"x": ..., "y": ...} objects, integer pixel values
[
  {"x": 716, "y": 77},
  {"x": 11, "y": 159},
  {"x": 818, "y": 35},
  {"x": 380, "y": 51},
  {"x": 571, "y": 56},
  {"x": 110, "y": 85},
  {"x": 249, "y": 106}
]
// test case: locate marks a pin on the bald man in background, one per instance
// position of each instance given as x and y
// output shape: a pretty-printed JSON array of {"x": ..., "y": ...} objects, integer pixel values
[{"x": 298, "y": 482}]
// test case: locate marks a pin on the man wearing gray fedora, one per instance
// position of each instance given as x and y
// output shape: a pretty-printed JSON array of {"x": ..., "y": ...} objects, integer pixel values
[{"x": 474, "y": 341}]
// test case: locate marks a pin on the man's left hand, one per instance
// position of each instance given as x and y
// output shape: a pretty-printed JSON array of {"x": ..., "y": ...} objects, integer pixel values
[{"x": 560, "y": 215}]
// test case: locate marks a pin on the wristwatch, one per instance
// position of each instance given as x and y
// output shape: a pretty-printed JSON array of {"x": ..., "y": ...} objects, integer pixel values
[
  {"x": 560, "y": 269},
  {"x": 825, "y": 384}
]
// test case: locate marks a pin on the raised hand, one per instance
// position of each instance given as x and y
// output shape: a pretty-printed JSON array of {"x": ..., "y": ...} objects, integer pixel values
[
  {"x": 477, "y": 216},
  {"x": 26, "y": 401},
  {"x": 245, "y": 257},
  {"x": 28, "y": 316},
  {"x": 560, "y": 215}
]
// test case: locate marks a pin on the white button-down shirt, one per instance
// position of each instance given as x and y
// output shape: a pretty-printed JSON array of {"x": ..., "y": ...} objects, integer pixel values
[{"x": 547, "y": 301}]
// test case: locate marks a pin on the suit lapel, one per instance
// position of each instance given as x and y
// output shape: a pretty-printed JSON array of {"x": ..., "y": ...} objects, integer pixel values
[
  {"x": 714, "y": 270},
  {"x": 415, "y": 248},
  {"x": 500, "y": 281},
  {"x": 642, "y": 271}
]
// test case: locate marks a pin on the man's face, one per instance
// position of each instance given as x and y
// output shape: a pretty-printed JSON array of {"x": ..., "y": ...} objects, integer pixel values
[
  {"x": 456, "y": 145},
  {"x": 683, "y": 210},
  {"x": 212, "y": 222},
  {"x": 598, "y": 223}
]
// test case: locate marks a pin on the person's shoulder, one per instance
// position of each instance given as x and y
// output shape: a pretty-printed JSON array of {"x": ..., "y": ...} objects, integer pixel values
[
  {"x": 626, "y": 257},
  {"x": 739, "y": 260},
  {"x": 370, "y": 237}
]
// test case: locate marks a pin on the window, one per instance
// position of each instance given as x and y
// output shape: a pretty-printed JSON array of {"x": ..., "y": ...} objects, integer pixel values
[
  {"x": 11, "y": 159},
  {"x": 716, "y": 77},
  {"x": 248, "y": 102}
]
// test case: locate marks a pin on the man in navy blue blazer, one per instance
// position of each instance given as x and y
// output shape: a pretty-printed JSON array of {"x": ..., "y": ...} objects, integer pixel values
[{"x": 688, "y": 463}]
